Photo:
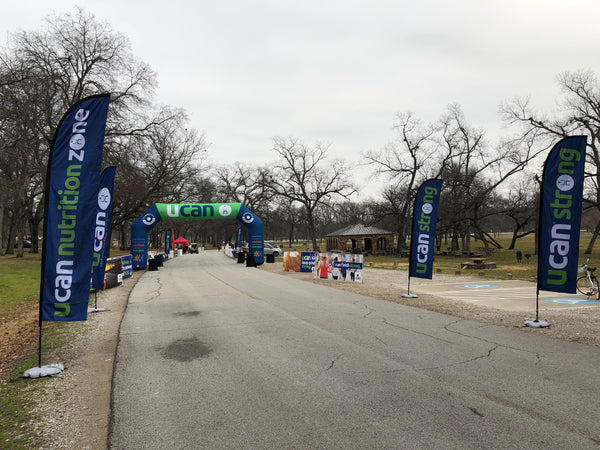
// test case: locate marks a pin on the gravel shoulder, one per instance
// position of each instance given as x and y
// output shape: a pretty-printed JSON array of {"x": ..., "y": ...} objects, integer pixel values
[{"x": 75, "y": 405}]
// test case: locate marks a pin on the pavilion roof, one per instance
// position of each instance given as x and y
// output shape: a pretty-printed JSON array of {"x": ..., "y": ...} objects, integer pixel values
[{"x": 359, "y": 230}]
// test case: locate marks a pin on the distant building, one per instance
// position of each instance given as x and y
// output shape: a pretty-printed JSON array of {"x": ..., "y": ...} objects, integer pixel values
[{"x": 360, "y": 238}]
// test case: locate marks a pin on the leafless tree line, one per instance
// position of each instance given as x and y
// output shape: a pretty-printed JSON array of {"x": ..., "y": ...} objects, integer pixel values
[{"x": 302, "y": 194}]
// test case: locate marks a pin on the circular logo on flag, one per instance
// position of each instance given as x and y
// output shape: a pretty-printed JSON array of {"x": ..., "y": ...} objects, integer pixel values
[
  {"x": 148, "y": 219},
  {"x": 565, "y": 183},
  {"x": 247, "y": 218},
  {"x": 104, "y": 198},
  {"x": 427, "y": 208},
  {"x": 77, "y": 142},
  {"x": 224, "y": 210}
]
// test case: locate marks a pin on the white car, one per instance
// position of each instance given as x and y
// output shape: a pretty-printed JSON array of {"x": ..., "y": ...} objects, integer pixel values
[{"x": 272, "y": 249}]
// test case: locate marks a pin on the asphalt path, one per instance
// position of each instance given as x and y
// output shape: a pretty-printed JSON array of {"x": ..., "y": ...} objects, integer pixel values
[{"x": 216, "y": 355}]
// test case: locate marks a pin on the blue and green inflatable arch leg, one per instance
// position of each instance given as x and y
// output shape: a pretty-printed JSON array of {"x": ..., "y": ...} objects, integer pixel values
[{"x": 187, "y": 211}]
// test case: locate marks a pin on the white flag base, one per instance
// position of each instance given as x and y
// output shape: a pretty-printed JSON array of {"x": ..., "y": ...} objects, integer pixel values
[
  {"x": 92, "y": 310},
  {"x": 410, "y": 296},
  {"x": 535, "y": 323},
  {"x": 44, "y": 371}
]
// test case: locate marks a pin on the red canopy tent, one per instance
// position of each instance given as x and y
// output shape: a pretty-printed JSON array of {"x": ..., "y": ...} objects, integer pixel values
[{"x": 181, "y": 240}]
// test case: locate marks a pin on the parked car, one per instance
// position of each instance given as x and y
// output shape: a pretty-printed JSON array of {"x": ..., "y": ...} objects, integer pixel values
[
  {"x": 26, "y": 244},
  {"x": 272, "y": 249}
]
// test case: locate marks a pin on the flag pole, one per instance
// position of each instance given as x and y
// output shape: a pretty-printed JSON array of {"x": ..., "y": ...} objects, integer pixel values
[
  {"x": 408, "y": 294},
  {"x": 410, "y": 254},
  {"x": 528, "y": 321}
]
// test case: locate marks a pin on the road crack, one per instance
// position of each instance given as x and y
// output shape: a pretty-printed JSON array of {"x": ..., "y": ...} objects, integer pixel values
[
  {"x": 333, "y": 362},
  {"x": 385, "y": 321},
  {"x": 497, "y": 345}
]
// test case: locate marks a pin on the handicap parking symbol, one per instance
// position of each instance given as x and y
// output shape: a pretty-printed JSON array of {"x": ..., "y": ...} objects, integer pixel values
[
  {"x": 572, "y": 301},
  {"x": 479, "y": 286}
]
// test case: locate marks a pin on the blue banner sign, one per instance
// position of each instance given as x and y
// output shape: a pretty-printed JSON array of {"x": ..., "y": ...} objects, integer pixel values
[
  {"x": 422, "y": 242},
  {"x": 308, "y": 260},
  {"x": 348, "y": 265},
  {"x": 102, "y": 226},
  {"x": 126, "y": 266},
  {"x": 238, "y": 239},
  {"x": 168, "y": 240},
  {"x": 72, "y": 183},
  {"x": 560, "y": 216}
]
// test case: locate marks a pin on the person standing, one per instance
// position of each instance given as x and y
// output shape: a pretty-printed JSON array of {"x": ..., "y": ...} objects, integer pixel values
[
  {"x": 323, "y": 267},
  {"x": 335, "y": 270}
]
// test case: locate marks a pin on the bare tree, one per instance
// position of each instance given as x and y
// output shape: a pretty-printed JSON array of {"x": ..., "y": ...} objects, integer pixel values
[
  {"x": 163, "y": 164},
  {"x": 406, "y": 161},
  {"x": 458, "y": 153},
  {"x": 245, "y": 184},
  {"x": 578, "y": 113},
  {"x": 42, "y": 74},
  {"x": 521, "y": 208},
  {"x": 472, "y": 170},
  {"x": 302, "y": 175}
]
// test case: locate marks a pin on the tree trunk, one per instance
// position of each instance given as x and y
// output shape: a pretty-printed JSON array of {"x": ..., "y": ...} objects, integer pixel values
[
  {"x": 311, "y": 229},
  {"x": 402, "y": 225},
  {"x": 20, "y": 248},
  {"x": 518, "y": 236},
  {"x": 1, "y": 225},
  {"x": 454, "y": 242},
  {"x": 11, "y": 239},
  {"x": 513, "y": 240},
  {"x": 291, "y": 234},
  {"x": 590, "y": 247},
  {"x": 33, "y": 229}
]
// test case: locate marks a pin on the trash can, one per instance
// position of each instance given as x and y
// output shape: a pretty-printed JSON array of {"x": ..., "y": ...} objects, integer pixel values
[
  {"x": 250, "y": 260},
  {"x": 159, "y": 260},
  {"x": 270, "y": 258},
  {"x": 240, "y": 257},
  {"x": 153, "y": 264}
]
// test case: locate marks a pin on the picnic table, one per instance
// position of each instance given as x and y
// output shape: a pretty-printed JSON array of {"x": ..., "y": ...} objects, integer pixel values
[{"x": 478, "y": 263}]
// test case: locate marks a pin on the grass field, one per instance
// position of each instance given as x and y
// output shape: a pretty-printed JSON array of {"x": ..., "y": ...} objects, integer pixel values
[{"x": 19, "y": 281}]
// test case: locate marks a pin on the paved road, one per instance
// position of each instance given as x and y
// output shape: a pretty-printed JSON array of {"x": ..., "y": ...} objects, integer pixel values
[{"x": 213, "y": 355}]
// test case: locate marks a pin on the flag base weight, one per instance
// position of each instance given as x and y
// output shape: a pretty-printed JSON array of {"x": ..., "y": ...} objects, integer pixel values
[
  {"x": 44, "y": 371},
  {"x": 410, "y": 296},
  {"x": 534, "y": 323}
]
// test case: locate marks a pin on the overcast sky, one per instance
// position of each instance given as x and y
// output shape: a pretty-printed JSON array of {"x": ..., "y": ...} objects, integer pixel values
[{"x": 337, "y": 71}]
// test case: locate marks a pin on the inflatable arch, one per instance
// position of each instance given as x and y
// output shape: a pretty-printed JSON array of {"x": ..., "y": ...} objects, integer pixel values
[{"x": 160, "y": 211}]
